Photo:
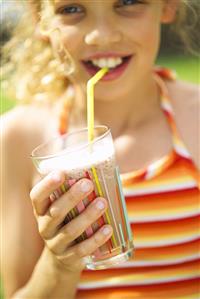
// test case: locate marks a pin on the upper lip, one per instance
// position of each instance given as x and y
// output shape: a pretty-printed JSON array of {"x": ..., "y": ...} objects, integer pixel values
[{"x": 106, "y": 55}]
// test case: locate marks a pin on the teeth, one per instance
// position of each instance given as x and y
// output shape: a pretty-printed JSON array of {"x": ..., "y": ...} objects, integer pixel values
[{"x": 107, "y": 62}]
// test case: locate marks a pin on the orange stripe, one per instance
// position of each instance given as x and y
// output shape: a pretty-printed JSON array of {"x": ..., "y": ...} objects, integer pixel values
[
  {"x": 143, "y": 273},
  {"x": 170, "y": 203},
  {"x": 183, "y": 290},
  {"x": 173, "y": 231},
  {"x": 168, "y": 252}
]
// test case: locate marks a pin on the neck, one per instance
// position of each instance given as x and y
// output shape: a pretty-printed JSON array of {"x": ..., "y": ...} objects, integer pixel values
[{"x": 131, "y": 111}]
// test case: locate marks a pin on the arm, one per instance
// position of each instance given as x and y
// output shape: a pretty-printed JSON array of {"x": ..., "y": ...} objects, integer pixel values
[
  {"x": 50, "y": 280},
  {"x": 21, "y": 243},
  {"x": 56, "y": 273},
  {"x": 22, "y": 266}
]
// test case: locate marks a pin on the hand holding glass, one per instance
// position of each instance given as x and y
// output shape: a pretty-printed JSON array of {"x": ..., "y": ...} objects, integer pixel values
[{"x": 78, "y": 158}]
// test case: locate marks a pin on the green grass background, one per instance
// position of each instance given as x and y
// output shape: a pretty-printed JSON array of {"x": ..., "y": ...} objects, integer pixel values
[{"x": 187, "y": 68}]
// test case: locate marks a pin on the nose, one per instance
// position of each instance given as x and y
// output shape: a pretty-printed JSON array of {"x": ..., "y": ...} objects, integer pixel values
[{"x": 103, "y": 35}]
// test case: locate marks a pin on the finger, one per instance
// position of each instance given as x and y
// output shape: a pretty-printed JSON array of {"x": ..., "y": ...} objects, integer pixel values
[
  {"x": 76, "y": 193},
  {"x": 77, "y": 226},
  {"x": 50, "y": 223},
  {"x": 41, "y": 192},
  {"x": 88, "y": 246}
]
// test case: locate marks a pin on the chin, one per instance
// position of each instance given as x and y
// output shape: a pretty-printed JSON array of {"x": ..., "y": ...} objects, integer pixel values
[{"x": 107, "y": 93}]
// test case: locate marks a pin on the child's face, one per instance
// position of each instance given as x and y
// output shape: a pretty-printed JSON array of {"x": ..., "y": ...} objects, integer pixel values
[{"x": 123, "y": 35}]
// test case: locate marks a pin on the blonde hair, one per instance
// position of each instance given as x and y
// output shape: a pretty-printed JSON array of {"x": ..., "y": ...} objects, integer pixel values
[{"x": 30, "y": 66}]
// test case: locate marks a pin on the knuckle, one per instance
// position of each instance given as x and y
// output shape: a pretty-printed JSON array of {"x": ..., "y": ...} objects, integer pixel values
[
  {"x": 98, "y": 239},
  {"x": 61, "y": 259},
  {"x": 43, "y": 228},
  {"x": 42, "y": 231},
  {"x": 70, "y": 232},
  {"x": 67, "y": 258},
  {"x": 89, "y": 215},
  {"x": 81, "y": 251},
  {"x": 72, "y": 194},
  {"x": 50, "y": 183},
  {"x": 52, "y": 247},
  {"x": 56, "y": 214},
  {"x": 58, "y": 209}
]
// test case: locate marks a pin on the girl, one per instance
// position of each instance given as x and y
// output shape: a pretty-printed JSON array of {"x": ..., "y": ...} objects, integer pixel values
[{"x": 154, "y": 122}]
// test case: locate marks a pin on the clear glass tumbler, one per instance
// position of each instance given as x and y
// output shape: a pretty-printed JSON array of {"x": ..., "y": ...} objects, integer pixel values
[{"x": 78, "y": 158}]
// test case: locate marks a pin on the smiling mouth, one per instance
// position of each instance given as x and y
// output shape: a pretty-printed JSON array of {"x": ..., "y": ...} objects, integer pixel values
[{"x": 112, "y": 63}]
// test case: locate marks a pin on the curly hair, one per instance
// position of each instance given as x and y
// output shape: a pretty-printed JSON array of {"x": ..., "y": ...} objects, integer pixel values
[
  {"x": 29, "y": 64},
  {"x": 31, "y": 68}
]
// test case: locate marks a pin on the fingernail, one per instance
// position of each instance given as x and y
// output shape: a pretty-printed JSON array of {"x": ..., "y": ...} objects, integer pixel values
[
  {"x": 85, "y": 186},
  {"x": 100, "y": 205},
  {"x": 106, "y": 230}
]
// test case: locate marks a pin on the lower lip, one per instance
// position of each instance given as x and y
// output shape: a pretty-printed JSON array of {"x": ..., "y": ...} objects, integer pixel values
[{"x": 113, "y": 74}]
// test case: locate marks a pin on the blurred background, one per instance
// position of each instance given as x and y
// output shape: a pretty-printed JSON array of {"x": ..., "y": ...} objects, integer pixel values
[{"x": 172, "y": 53}]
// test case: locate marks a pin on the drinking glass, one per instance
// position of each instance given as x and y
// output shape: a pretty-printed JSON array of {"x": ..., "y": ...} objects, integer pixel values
[{"x": 78, "y": 158}]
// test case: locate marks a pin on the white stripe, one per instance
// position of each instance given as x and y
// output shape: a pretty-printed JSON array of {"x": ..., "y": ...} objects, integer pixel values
[
  {"x": 158, "y": 263},
  {"x": 152, "y": 169},
  {"x": 162, "y": 243},
  {"x": 116, "y": 282},
  {"x": 159, "y": 218},
  {"x": 167, "y": 107},
  {"x": 160, "y": 189},
  {"x": 181, "y": 150}
]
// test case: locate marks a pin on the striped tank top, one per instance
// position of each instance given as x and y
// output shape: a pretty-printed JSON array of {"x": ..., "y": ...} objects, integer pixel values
[{"x": 163, "y": 203}]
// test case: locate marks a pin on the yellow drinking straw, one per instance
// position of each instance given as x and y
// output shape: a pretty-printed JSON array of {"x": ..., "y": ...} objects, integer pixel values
[
  {"x": 90, "y": 119},
  {"x": 90, "y": 101},
  {"x": 101, "y": 194}
]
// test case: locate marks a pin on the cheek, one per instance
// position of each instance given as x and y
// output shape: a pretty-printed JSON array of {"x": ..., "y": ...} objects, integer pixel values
[
  {"x": 67, "y": 37},
  {"x": 145, "y": 32},
  {"x": 72, "y": 39}
]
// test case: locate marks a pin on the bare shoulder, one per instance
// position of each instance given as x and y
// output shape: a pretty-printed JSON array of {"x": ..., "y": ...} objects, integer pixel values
[
  {"x": 16, "y": 128},
  {"x": 22, "y": 129},
  {"x": 185, "y": 99},
  {"x": 26, "y": 126},
  {"x": 23, "y": 120},
  {"x": 184, "y": 93}
]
